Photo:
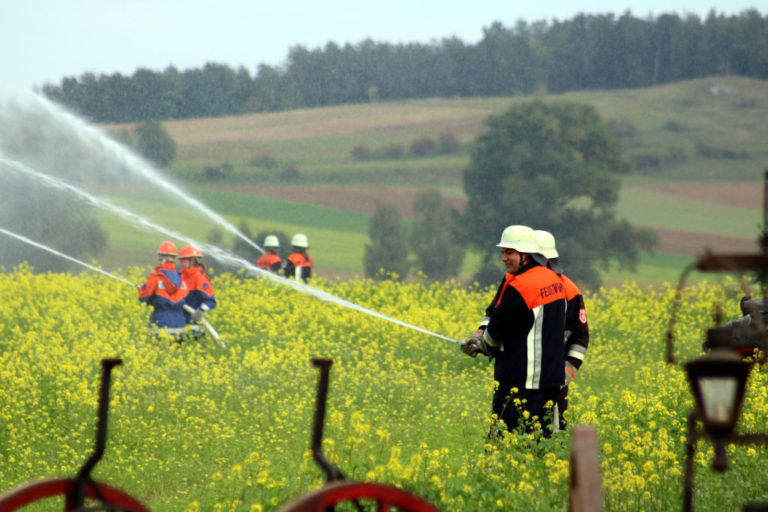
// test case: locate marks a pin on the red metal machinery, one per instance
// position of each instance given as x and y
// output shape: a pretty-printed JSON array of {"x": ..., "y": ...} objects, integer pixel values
[
  {"x": 338, "y": 491},
  {"x": 75, "y": 491}
]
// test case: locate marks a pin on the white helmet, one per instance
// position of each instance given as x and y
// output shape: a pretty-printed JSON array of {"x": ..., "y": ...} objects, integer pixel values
[
  {"x": 546, "y": 242},
  {"x": 520, "y": 238},
  {"x": 300, "y": 240},
  {"x": 271, "y": 241}
]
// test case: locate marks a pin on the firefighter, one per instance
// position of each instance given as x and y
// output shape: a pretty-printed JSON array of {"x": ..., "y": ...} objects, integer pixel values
[
  {"x": 166, "y": 293},
  {"x": 523, "y": 332},
  {"x": 270, "y": 260},
  {"x": 576, "y": 326},
  {"x": 299, "y": 263},
  {"x": 200, "y": 298}
]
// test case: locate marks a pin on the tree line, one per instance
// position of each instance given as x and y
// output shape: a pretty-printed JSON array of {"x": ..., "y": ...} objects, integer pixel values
[{"x": 586, "y": 52}]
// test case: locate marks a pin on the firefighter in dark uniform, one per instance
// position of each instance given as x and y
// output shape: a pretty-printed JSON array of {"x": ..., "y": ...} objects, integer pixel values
[
  {"x": 576, "y": 326},
  {"x": 166, "y": 293},
  {"x": 270, "y": 260},
  {"x": 523, "y": 332},
  {"x": 299, "y": 263}
]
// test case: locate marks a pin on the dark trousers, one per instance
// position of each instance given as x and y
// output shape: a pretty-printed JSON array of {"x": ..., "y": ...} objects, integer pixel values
[{"x": 538, "y": 402}]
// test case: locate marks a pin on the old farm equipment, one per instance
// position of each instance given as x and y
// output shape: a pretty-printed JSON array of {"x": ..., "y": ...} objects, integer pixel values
[
  {"x": 718, "y": 379},
  {"x": 81, "y": 493},
  {"x": 339, "y": 492}
]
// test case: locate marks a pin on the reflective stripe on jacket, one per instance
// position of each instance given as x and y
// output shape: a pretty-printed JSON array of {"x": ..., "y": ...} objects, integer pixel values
[
  {"x": 576, "y": 326},
  {"x": 527, "y": 319},
  {"x": 299, "y": 266}
]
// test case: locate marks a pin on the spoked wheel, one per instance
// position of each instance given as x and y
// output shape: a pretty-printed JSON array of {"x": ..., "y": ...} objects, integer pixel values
[
  {"x": 355, "y": 496},
  {"x": 106, "y": 497}
]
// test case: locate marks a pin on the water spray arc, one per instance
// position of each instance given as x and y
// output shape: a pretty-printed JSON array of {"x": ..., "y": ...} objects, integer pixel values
[
  {"x": 95, "y": 140},
  {"x": 206, "y": 324},
  {"x": 214, "y": 251},
  {"x": 65, "y": 256}
]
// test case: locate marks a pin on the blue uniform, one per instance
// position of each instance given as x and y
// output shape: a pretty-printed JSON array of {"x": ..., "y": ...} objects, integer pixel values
[{"x": 165, "y": 292}]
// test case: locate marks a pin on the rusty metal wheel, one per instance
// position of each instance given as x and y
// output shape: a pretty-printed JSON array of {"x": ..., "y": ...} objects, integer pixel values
[
  {"x": 106, "y": 497},
  {"x": 373, "y": 497}
]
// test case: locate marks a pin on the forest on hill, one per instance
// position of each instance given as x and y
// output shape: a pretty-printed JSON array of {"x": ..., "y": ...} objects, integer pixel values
[{"x": 587, "y": 52}]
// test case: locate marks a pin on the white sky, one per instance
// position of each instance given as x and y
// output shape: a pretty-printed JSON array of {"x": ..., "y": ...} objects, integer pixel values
[{"x": 47, "y": 40}]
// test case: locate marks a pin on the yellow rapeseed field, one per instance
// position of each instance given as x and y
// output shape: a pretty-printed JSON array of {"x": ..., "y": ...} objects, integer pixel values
[{"x": 196, "y": 427}]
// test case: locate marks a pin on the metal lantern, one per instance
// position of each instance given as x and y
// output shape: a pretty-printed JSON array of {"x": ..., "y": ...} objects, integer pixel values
[{"x": 718, "y": 380}]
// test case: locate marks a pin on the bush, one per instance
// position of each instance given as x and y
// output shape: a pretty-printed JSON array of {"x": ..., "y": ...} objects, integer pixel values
[
  {"x": 290, "y": 173},
  {"x": 213, "y": 173},
  {"x": 449, "y": 143},
  {"x": 622, "y": 128},
  {"x": 362, "y": 152},
  {"x": 710, "y": 150},
  {"x": 676, "y": 127},
  {"x": 264, "y": 161},
  {"x": 423, "y": 146},
  {"x": 648, "y": 161},
  {"x": 675, "y": 155},
  {"x": 748, "y": 103}
]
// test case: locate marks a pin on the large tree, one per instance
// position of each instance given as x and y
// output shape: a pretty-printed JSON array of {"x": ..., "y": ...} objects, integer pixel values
[
  {"x": 155, "y": 143},
  {"x": 434, "y": 239},
  {"x": 386, "y": 256},
  {"x": 551, "y": 166}
]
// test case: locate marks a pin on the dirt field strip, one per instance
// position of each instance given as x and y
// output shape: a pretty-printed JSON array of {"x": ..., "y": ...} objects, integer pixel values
[
  {"x": 687, "y": 243},
  {"x": 355, "y": 199},
  {"x": 745, "y": 195},
  {"x": 682, "y": 243}
]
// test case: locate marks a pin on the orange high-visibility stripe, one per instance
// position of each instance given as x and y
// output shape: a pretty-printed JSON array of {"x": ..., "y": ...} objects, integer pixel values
[
  {"x": 537, "y": 286},
  {"x": 300, "y": 260},
  {"x": 266, "y": 261},
  {"x": 571, "y": 290}
]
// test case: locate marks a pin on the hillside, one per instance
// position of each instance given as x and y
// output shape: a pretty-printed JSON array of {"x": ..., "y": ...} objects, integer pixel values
[{"x": 699, "y": 147}]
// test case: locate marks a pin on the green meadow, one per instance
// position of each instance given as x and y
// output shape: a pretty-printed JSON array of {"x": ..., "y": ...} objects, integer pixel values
[{"x": 697, "y": 133}]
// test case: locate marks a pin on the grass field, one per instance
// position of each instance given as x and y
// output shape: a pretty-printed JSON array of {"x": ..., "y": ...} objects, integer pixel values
[
  {"x": 198, "y": 427},
  {"x": 334, "y": 195}
]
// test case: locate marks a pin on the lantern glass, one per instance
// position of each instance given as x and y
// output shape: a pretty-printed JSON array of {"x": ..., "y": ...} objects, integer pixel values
[
  {"x": 718, "y": 400},
  {"x": 717, "y": 381}
]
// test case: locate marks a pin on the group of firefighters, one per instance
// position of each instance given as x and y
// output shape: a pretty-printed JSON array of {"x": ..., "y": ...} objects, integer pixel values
[
  {"x": 180, "y": 298},
  {"x": 297, "y": 265},
  {"x": 535, "y": 328}
]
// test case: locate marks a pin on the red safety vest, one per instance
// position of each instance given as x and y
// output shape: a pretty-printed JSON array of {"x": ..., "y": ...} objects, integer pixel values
[{"x": 266, "y": 261}]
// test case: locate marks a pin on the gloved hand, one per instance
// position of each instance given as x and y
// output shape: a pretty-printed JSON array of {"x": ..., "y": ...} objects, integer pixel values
[
  {"x": 570, "y": 373},
  {"x": 469, "y": 348},
  {"x": 475, "y": 344},
  {"x": 196, "y": 316}
]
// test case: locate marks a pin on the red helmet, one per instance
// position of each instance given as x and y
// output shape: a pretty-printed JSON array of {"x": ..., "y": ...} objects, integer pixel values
[
  {"x": 167, "y": 249},
  {"x": 190, "y": 251}
]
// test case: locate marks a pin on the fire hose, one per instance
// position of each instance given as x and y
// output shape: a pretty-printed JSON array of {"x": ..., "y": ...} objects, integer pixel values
[{"x": 204, "y": 321}]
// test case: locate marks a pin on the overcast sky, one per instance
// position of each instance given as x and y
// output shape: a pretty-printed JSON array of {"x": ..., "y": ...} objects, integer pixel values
[{"x": 44, "y": 41}]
